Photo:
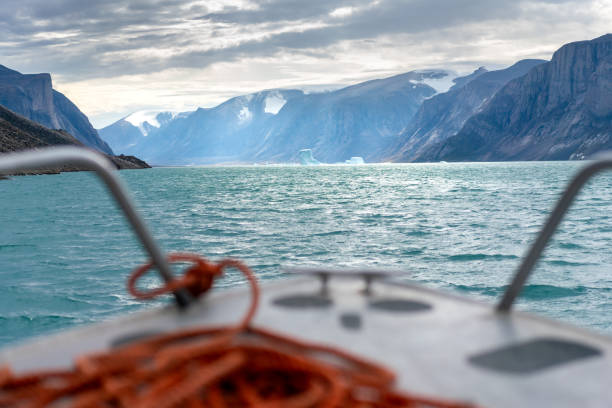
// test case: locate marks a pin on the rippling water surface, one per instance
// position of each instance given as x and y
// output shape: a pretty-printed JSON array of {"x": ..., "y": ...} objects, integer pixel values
[{"x": 65, "y": 251}]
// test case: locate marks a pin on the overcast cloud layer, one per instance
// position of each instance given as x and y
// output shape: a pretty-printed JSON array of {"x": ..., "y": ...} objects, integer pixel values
[{"x": 119, "y": 56}]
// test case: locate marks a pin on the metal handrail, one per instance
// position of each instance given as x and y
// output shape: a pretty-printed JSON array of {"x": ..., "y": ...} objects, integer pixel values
[
  {"x": 59, "y": 156},
  {"x": 325, "y": 274},
  {"x": 530, "y": 260}
]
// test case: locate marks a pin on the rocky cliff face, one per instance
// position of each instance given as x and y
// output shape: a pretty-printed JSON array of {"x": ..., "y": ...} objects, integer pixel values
[
  {"x": 443, "y": 115},
  {"x": 559, "y": 110},
  {"x": 28, "y": 95},
  {"x": 72, "y": 120},
  {"x": 19, "y": 133},
  {"x": 33, "y": 97}
]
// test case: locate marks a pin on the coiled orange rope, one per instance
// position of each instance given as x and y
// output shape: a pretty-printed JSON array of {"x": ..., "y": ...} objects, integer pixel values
[{"x": 233, "y": 366}]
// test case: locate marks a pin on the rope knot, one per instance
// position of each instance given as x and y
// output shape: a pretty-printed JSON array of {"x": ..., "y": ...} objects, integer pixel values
[{"x": 197, "y": 279}]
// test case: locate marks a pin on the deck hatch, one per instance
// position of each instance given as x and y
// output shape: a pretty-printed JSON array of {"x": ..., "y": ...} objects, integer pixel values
[
  {"x": 350, "y": 321},
  {"x": 533, "y": 355},
  {"x": 133, "y": 337},
  {"x": 303, "y": 301},
  {"x": 399, "y": 305}
]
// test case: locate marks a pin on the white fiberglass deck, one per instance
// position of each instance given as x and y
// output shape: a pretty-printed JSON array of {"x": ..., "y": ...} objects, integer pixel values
[{"x": 438, "y": 344}]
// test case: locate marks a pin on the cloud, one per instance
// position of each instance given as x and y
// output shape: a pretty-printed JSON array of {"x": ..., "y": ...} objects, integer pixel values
[
  {"x": 280, "y": 10},
  {"x": 298, "y": 42}
]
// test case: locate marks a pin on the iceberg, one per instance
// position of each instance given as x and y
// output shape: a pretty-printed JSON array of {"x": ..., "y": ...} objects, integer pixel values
[
  {"x": 355, "y": 160},
  {"x": 307, "y": 159}
]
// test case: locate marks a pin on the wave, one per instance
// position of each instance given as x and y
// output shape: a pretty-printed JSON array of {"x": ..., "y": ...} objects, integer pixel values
[
  {"x": 37, "y": 320},
  {"x": 570, "y": 245},
  {"x": 418, "y": 233},
  {"x": 479, "y": 257},
  {"x": 530, "y": 292},
  {"x": 543, "y": 292},
  {"x": 9, "y": 246},
  {"x": 330, "y": 233},
  {"x": 560, "y": 262}
]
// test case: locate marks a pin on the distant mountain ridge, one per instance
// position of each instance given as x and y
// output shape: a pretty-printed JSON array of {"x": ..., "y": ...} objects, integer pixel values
[
  {"x": 33, "y": 96},
  {"x": 559, "y": 110},
  {"x": 274, "y": 125}
]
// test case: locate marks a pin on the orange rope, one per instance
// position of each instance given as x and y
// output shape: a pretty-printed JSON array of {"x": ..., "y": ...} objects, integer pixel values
[{"x": 219, "y": 367}]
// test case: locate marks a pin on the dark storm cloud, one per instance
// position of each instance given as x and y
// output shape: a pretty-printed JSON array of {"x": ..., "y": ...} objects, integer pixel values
[
  {"x": 86, "y": 40},
  {"x": 73, "y": 36},
  {"x": 29, "y": 17}
]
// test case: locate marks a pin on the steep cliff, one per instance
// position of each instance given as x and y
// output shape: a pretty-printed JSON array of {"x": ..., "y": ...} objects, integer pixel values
[
  {"x": 33, "y": 97},
  {"x": 443, "y": 115},
  {"x": 19, "y": 133},
  {"x": 559, "y": 110}
]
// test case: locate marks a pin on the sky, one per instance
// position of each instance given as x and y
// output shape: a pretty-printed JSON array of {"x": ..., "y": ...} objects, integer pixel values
[{"x": 114, "y": 57}]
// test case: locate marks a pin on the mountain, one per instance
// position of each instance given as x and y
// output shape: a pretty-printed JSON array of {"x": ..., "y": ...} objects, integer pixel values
[
  {"x": 215, "y": 135},
  {"x": 127, "y": 132},
  {"x": 19, "y": 133},
  {"x": 559, "y": 110},
  {"x": 359, "y": 120},
  {"x": 33, "y": 97},
  {"x": 444, "y": 114},
  {"x": 274, "y": 125}
]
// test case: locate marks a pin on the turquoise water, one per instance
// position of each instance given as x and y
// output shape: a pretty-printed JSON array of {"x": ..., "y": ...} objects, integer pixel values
[{"x": 65, "y": 251}]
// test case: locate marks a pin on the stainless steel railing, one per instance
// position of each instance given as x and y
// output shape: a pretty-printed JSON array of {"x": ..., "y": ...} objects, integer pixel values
[
  {"x": 554, "y": 219},
  {"x": 77, "y": 156}
]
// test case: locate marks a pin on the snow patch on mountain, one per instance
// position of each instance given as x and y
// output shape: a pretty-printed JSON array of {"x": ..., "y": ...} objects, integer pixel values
[
  {"x": 274, "y": 103},
  {"x": 138, "y": 118},
  {"x": 244, "y": 115},
  {"x": 146, "y": 120},
  {"x": 441, "y": 82}
]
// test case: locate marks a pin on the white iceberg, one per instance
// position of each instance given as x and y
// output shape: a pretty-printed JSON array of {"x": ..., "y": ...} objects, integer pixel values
[
  {"x": 307, "y": 159},
  {"x": 355, "y": 160}
]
